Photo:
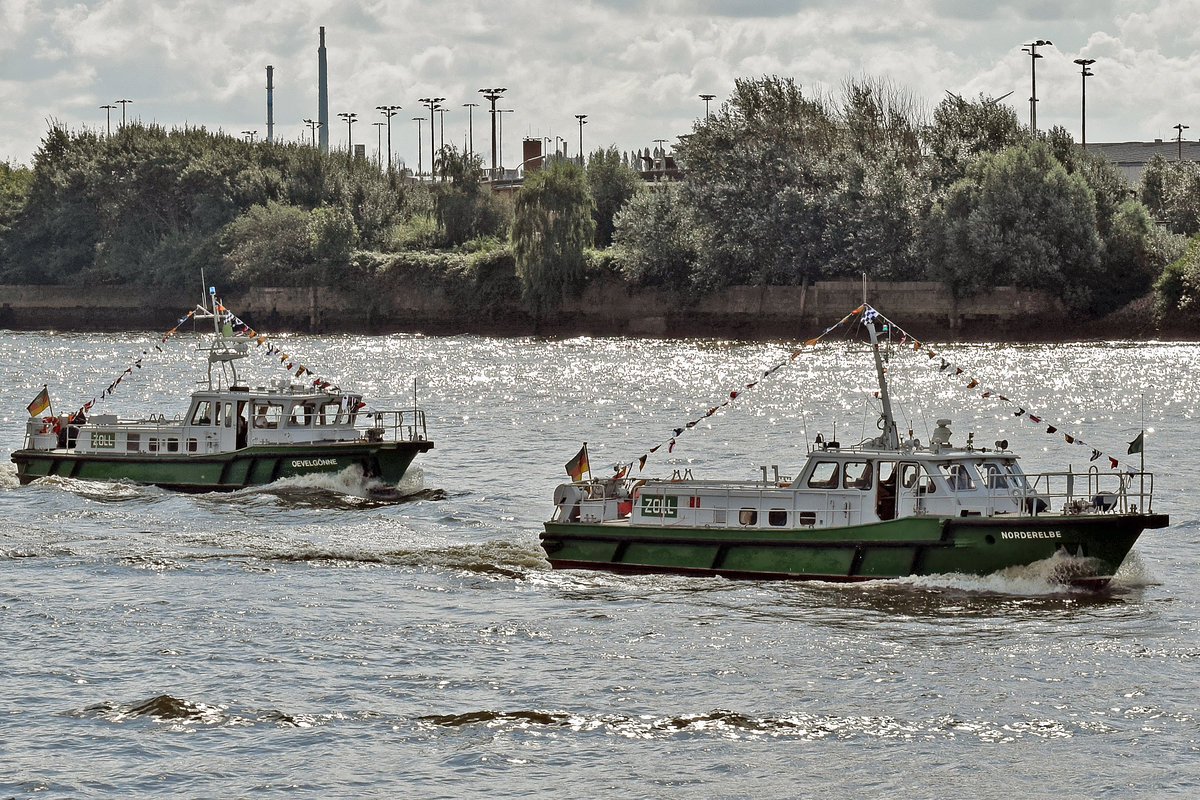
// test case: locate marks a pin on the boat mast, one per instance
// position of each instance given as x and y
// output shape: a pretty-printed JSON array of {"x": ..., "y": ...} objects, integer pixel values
[{"x": 891, "y": 438}]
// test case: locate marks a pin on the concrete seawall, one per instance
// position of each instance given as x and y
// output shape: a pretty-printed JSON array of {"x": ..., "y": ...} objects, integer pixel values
[{"x": 604, "y": 308}]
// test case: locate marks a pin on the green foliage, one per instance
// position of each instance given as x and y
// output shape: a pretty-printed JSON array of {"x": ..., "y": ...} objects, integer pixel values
[
  {"x": 657, "y": 243},
  {"x": 1171, "y": 191},
  {"x": 1018, "y": 218},
  {"x": 466, "y": 207},
  {"x": 552, "y": 226},
  {"x": 963, "y": 131},
  {"x": 1177, "y": 290},
  {"x": 269, "y": 245},
  {"x": 149, "y": 206},
  {"x": 612, "y": 185}
]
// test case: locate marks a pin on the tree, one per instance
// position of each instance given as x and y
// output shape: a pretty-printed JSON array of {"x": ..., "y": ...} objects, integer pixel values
[
  {"x": 269, "y": 245},
  {"x": 466, "y": 207},
  {"x": 1177, "y": 290},
  {"x": 552, "y": 226},
  {"x": 611, "y": 185},
  {"x": 759, "y": 176},
  {"x": 1018, "y": 218},
  {"x": 656, "y": 241},
  {"x": 962, "y": 131},
  {"x": 1171, "y": 192}
]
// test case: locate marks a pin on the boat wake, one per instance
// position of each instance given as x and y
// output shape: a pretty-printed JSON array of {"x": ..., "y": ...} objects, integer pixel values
[
  {"x": 1056, "y": 576},
  {"x": 348, "y": 488}
]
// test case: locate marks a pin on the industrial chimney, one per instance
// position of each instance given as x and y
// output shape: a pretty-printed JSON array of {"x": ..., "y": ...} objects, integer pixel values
[
  {"x": 323, "y": 93},
  {"x": 270, "y": 103}
]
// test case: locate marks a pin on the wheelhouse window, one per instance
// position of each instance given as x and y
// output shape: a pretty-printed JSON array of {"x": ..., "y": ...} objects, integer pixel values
[
  {"x": 330, "y": 414},
  {"x": 913, "y": 479},
  {"x": 856, "y": 475},
  {"x": 203, "y": 413},
  {"x": 994, "y": 477},
  {"x": 267, "y": 415},
  {"x": 303, "y": 415},
  {"x": 959, "y": 476},
  {"x": 824, "y": 475}
]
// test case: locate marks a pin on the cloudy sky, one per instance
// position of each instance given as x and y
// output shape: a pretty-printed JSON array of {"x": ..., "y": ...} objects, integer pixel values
[{"x": 635, "y": 67}]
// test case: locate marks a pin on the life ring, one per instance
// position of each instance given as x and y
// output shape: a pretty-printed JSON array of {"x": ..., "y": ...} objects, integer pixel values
[{"x": 51, "y": 425}]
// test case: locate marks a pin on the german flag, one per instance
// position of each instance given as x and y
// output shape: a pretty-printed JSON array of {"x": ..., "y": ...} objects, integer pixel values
[
  {"x": 579, "y": 464},
  {"x": 40, "y": 403}
]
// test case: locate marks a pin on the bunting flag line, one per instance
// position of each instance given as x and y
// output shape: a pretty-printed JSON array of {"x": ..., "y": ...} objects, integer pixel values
[
  {"x": 288, "y": 361},
  {"x": 137, "y": 364},
  {"x": 973, "y": 383},
  {"x": 238, "y": 328},
  {"x": 624, "y": 467}
]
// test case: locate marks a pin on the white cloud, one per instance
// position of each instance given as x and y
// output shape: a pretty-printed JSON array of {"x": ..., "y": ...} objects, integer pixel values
[{"x": 636, "y": 67}]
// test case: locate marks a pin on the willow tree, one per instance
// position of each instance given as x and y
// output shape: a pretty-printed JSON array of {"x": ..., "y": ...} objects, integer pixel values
[{"x": 552, "y": 226}]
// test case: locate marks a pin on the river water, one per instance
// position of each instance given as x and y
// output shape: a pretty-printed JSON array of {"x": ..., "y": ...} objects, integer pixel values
[{"x": 303, "y": 640}]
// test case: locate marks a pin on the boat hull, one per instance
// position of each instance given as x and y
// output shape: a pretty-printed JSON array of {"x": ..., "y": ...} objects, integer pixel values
[
  {"x": 910, "y": 546},
  {"x": 250, "y": 466}
]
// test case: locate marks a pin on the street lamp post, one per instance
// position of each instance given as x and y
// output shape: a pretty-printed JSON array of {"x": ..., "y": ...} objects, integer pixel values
[
  {"x": 389, "y": 112},
  {"x": 706, "y": 98},
  {"x": 350, "y": 118},
  {"x": 419, "y": 120},
  {"x": 1180, "y": 128},
  {"x": 442, "y": 134},
  {"x": 379, "y": 126},
  {"x": 1085, "y": 73},
  {"x": 108, "y": 118},
  {"x": 123, "y": 103},
  {"x": 431, "y": 104},
  {"x": 500, "y": 112},
  {"x": 470, "y": 107},
  {"x": 582, "y": 121},
  {"x": 1031, "y": 48},
  {"x": 313, "y": 125},
  {"x": 493, "y": 95}
]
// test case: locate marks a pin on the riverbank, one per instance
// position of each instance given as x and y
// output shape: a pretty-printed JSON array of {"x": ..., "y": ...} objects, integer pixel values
[{"x": 604, "y": 308}]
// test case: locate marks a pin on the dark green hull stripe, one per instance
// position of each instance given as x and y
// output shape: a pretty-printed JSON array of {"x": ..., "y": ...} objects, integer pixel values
[
  {"x": 892, "y": 549},
  {"x": 251, "y": 466}
]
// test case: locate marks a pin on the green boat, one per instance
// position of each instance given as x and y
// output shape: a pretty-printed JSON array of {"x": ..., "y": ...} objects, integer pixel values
[
  {"x": 231, "y": 436},
  {"x": 885, "y": 508}
]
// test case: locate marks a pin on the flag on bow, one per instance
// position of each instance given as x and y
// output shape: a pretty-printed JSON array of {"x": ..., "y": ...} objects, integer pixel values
[{"x": 579, "y": 464}]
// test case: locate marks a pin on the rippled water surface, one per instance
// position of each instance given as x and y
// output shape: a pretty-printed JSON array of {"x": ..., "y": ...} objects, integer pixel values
[{"x": 306, "y": 640}]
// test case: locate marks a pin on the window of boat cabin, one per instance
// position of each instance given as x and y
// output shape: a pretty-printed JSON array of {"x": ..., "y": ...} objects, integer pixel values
[
  {"x": 225, "y": 414},
  {"x": 777, "y": 517},
  {"x": 959, "y": 476},
  {"x": 172, "y": 445},
  {"x": 824, "y": 475},
  {"x": 994, "y": 477},
  {"x": 856, "y": 475},
  {"x": 192, "y": 445},
  {"x": 133, "y": 442},
  {"x": 329, "y": 414},
  {"x": 267, "y": 415},
  {"x": 748, "y": 516},
  {"x": 913, "y": 478},
  {"x": 203, "y": 413},
  {"x": 303, "y": 415}
]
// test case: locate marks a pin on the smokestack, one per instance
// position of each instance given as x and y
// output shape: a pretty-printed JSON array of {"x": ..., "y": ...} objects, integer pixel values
[
  {"x": 323, "y": 93},
  {"x": 270, "y": 103}
]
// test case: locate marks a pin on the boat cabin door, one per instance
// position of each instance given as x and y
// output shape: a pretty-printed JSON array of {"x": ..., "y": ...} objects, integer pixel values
[
  {"x": 885, "y": 492},
  {"x": 909, "y": 494}
]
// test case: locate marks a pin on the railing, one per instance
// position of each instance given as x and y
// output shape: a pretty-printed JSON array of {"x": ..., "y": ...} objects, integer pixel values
[
  {"x": 406, "y": 425},
  {"x": 1090, "y": 492}
]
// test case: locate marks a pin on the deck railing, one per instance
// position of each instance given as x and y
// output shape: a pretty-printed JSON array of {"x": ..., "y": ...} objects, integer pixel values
[{"x": 404, "y": 425}]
